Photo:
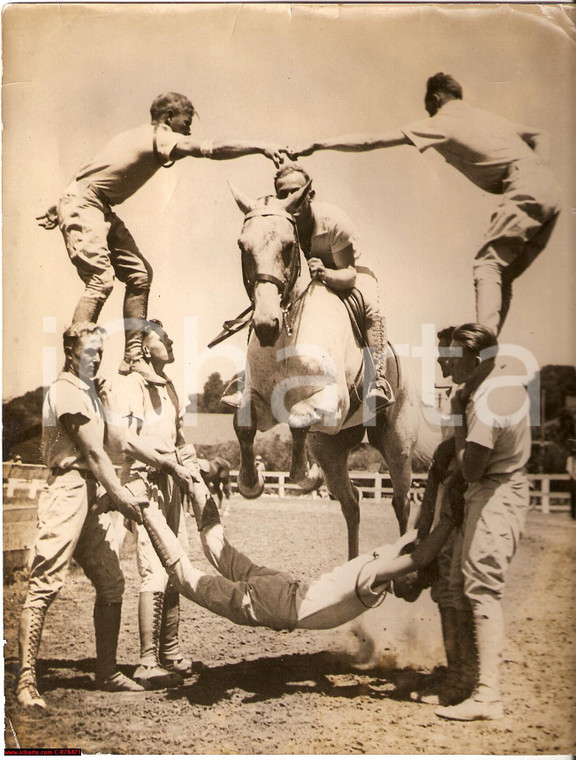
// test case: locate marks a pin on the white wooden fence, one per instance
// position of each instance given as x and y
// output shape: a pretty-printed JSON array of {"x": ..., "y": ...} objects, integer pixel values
[
  {"x": 376, "y": 485},
  {"x": 22, "y": 482}
]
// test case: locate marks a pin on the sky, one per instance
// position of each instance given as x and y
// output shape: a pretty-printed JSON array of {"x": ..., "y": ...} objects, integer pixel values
[{"x": 77, "y": 75}]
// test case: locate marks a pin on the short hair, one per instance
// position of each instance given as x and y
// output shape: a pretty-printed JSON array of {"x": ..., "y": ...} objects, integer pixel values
[
  {"x": 290, "y": 169},
  {"x": 446, "y": 334},
  {"x": 170, "y": 101},
  {"x": 444, "y": 83},
  {"x": 79, "y": 330},
  {"x": 155, "y": 326},
  {"x": 475, "y": 337}
]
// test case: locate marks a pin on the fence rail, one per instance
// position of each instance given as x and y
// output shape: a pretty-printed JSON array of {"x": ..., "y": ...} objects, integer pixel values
[
  {"x": 22, "y": 482},
  {"x": 378, "y": 485}
]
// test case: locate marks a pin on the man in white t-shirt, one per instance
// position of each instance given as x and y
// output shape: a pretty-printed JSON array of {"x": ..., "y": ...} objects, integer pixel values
[
  {"x": 69, "y": 520},
  {"x": 492, "y": 448},
  {"x": 98, "y": 243},
  {"x": 499, "y": 157},
  {"x": 160, "y": 468}
]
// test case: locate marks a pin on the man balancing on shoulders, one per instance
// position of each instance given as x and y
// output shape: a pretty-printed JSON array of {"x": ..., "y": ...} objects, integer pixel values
[
  {"x": 98, "y": 242},
  {"x": 498, "y": 156}
]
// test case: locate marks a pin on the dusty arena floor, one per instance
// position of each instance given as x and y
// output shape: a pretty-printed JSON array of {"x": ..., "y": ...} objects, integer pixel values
[{"x": 261, "y": 692}]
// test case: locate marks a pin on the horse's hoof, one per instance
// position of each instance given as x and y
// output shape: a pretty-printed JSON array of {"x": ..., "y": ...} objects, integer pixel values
[
  {"x": 313, "y": 481},
  {"x": 255, "y": 491}
]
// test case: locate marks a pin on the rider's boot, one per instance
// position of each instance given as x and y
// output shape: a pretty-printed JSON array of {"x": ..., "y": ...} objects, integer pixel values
[
  {"x": 233, "y": 392},
  {"x": 380, "y": 395}
]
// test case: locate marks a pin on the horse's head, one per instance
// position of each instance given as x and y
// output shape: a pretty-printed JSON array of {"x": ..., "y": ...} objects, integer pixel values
[{"x": 270, "y": 258}]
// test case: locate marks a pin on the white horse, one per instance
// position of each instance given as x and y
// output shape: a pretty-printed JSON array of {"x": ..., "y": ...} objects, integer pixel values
[{"x": 306, "y": 367}]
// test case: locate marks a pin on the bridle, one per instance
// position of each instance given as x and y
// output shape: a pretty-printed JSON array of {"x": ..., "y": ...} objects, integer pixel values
[{"x": 285, "y": 287}]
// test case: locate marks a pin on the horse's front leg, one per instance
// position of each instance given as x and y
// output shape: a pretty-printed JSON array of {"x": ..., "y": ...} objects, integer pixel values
[
  {"x": 309, "y": 478},
  {"x": 250, "y": 480},
  {"x": 396, "y": 448},
  {"x": 332, "y": 453}
]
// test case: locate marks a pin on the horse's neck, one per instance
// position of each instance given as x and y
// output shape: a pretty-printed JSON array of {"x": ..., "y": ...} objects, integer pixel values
[{"x": 304, "y": 279}]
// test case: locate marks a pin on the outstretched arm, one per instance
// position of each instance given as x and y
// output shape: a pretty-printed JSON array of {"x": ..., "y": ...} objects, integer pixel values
[
  {"x": 351, "y": 143},
  {"x": 138, "y": 448},
  {"x": 220, "y": 150},
  {"x": 423, "y": 554}
]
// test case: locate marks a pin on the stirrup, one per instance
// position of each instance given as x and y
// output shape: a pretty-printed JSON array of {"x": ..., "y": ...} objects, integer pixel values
[
  {"x": 232, "y": 399},
  {"x": 381, "y": 397}
]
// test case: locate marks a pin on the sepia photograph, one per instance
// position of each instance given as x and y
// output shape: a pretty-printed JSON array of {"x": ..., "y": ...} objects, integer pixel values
[{"x": 289, "y": 378}]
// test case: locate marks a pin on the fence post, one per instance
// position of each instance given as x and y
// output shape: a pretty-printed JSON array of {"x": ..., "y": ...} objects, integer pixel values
[
  {"x": 378, "y": 486},
  {"x": 545, "y": 498},
  {"x": 281, "y": 485}
]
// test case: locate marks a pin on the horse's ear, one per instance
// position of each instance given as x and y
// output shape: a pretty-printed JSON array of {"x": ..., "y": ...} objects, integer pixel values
[
  {"x": 245, "y": 204},
  {"x": 292, "y": 202}
]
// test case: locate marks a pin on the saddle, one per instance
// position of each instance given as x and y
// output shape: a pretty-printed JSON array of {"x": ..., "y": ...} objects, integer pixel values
[{"x": 353, "y": 300}]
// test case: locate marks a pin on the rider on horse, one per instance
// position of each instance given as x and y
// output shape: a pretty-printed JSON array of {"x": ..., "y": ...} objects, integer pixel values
[{"x": 328, "y": 241}]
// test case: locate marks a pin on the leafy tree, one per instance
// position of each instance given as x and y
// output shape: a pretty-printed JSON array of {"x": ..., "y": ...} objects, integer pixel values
[{"x": 213, "y": 390}]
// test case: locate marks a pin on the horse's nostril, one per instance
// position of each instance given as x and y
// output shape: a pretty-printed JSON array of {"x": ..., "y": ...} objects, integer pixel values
[{"x": 267, "y": 333}]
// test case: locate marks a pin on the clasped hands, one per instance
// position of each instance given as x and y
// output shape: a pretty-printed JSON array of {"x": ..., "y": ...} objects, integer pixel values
[{"x": 278, "y": 154}]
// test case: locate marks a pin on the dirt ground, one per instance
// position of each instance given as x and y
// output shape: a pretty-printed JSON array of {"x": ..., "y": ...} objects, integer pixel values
[{"x": 261, "y": 692}]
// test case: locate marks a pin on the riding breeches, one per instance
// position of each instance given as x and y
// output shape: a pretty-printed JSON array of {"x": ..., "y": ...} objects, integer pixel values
[
  {"x": 67, "y": 527},
  {"x": 163, "y": 494},
  {"x": 519, "y": 231},
  {"x": 495, "y": 513},
  {"x": 101, "y": 248}
]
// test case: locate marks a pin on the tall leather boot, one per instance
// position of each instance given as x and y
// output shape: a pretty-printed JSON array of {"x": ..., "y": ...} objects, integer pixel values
[
  {"x": 89, "y": 307},
  {"x": 29, "y": 636},
  {"x": 150, "y": 672},
  {"x": 107, "y": 629},
  {"x": 461, "y": 681},
  {"x": 380, "y": 395},
  {"x": 171, "y": 657},
  {"x": 461, "y": 673},
  {"x": 436, "y": 693},
  {"x": 485, "y": 702},
  {"x": 135, "y": 312}
]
